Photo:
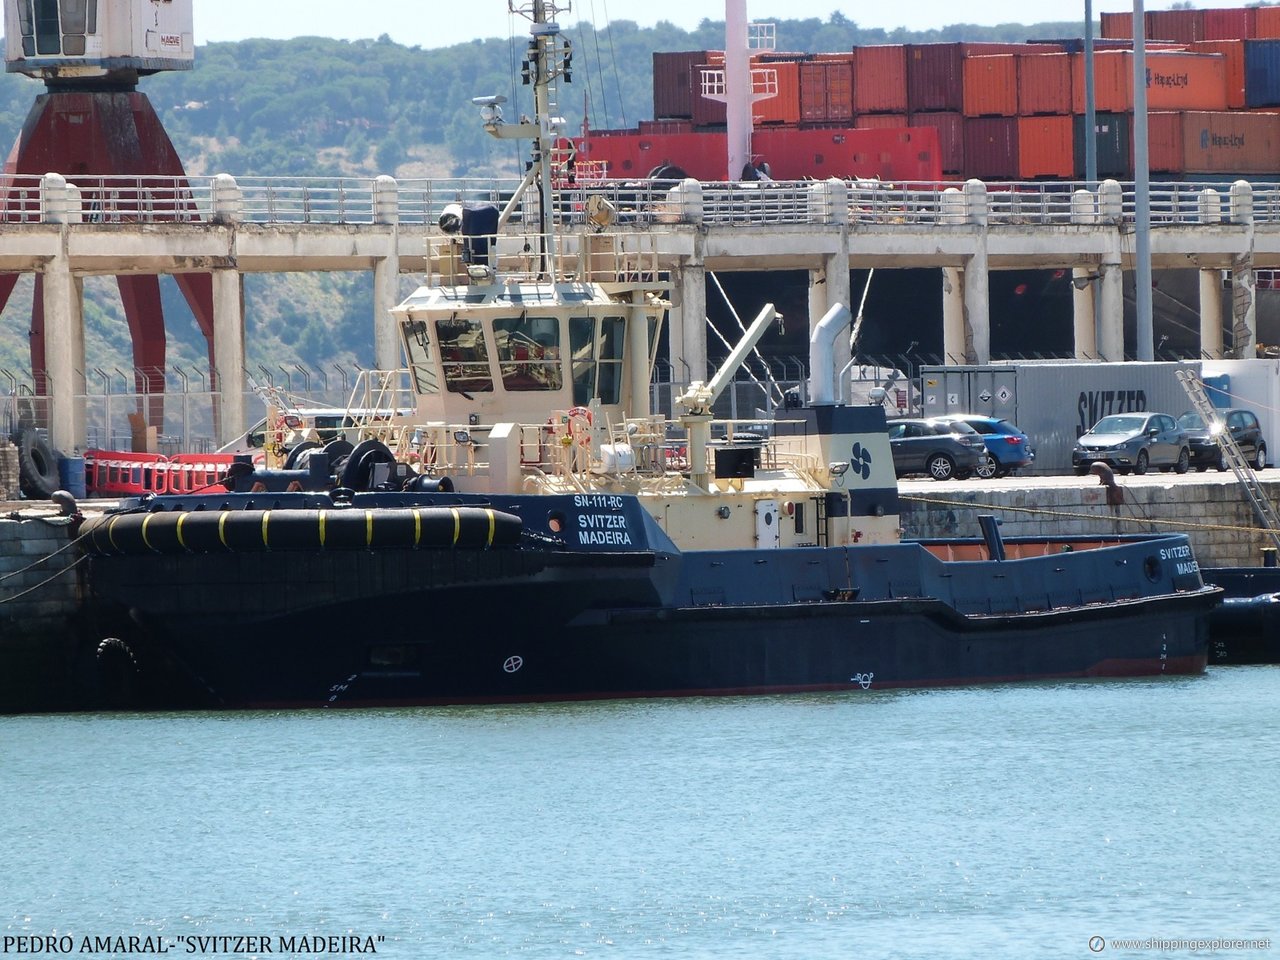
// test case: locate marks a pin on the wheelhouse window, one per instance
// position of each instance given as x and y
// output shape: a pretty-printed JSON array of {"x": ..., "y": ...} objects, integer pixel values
[
  {"x": 612, "y": 340},
  {"x": 464, "y": 357},
  {"x": 417, "y": 343},
  {"x": 582, "y": 348},
  {"x": 528, "y": 352}
]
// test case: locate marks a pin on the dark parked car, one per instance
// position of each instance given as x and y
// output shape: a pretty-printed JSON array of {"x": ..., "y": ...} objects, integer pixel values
[
  {"x": 1244, "y": 427},
  {"x": 1133, "y": 441},
  {"x": 1008, "y": 448},
  {"x": 942, "y": 447}
]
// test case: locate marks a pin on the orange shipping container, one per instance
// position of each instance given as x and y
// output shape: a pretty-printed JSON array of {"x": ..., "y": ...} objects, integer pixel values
[
  {"x": 785, "y": 106},
  {"x": 1175, "y": 81},
  {"x": 1044, "y": 84},
  {"x": 880, "y": 121},
  {"x": 1230, "y": 142},
  {"x": 880, "y": 79},
  {"x": 1184, "y": 26},
  {"x": 991, "y": 86},
  {"x": 1267, "y": 25},
  {"x": 1232, "y": 52},
  {"x": 1117, "y": 25},
  {"x": 826, "y": 89},
  {"x": 1044, "y": 147},
  {"x": 1164, "y": 142}
]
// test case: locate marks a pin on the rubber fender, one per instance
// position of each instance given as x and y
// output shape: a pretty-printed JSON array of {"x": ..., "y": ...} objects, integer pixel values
[{"x": 38, "y": 466}]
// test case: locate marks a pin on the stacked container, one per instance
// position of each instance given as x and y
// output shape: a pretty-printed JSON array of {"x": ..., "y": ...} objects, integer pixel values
[{"x": 880, "y": 79}]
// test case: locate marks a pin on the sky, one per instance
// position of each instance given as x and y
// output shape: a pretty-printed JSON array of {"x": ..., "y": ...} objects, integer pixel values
[{"x": 437, "y": 23}]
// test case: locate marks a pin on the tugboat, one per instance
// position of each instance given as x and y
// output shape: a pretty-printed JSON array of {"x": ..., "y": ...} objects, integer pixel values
[{"x": 536, "y": 532}]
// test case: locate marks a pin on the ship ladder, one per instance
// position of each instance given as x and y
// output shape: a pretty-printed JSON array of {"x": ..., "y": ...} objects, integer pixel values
[{"x": 1241, "y": 467}]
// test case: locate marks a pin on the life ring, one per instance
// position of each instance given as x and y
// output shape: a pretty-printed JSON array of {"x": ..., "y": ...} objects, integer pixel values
[
  {"x": 581, "y": 413},
  {"x": 38, "y": 466}
]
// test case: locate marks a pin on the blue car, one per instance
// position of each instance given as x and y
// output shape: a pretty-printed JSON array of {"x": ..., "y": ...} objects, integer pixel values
[{"x": 1008, "y": 448}]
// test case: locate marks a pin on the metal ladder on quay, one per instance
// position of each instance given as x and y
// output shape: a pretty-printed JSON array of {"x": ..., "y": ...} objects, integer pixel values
[{"x": 1241, "y": 467}]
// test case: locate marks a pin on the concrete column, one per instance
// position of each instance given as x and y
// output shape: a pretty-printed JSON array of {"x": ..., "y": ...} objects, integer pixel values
[
  {"x": 1084, "y": 311},
  {"x": 1211, "y": 314},
  {"x": 977, "y": 291},
  {"x": 1244, "y": 299},
  {"x": 828, "y": 286},
  {"x": 688, "y": 334},
  {"x": 1111, "y": 312},
  {"x": 64, "y": 352},
  {"x": 953, "y": 327},
  {"x": 386, "y": 276},
  {"x": 228, "y": 347}
]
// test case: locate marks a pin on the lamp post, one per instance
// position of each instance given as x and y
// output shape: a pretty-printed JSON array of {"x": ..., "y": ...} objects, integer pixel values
[
  {"x": 1090, "y": 116},
  {"x": 1145, "y": 347}
]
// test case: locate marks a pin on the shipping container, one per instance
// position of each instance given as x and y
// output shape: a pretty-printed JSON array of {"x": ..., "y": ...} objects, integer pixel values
[
  {"x": 1234, "y": 141},
  {"x": 826, "y": 90},
  {"x": 880, "y": 79},
  {"x": 1114, "y": 140},
  {"x": 1262, "y": 73},
  {"x": 1232, "y": 52},
  {"x": 673, "y": 82},
  {"x": 781, "y": 77},
  {"x": 950, "y": 127},
  {"x": 991, "y": 148},
  {"x": 706, "y": 112},
  {"x": 880, "y": 121},
  {"x": 991, "y": 85},
  {"x": 1267, "y": 23},
  {"x": 1164, "y": 142},
  {"x": 1044, "y": 84},
  {"x": 1044, "y": 147},
  {"x": 1175, "y": 81},
  {"x": 1181, "y": 26},
  {"x": 1117, "y": 25},
  {"x": 1076, "y": 44},
  {"x": 1233, "y": 23},
  {"x": 935, "y": 72}
]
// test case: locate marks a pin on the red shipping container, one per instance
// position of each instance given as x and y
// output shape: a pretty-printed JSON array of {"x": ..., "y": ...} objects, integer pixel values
[
  {"x": 1175, "y": 81},
  {"x": 1235, "y": 23},
  {"x": 1117, "y": 25},
  {"x": 1236, "y": 141},
  {"x": 991, "y": 148},
  {"x": 880, "y": 79},
  {"x": 826, "y": 90},
  {"x": 1044, "y": 147},
  {"x": 935, "y": 72},
  {"x": 880, "y": 121},
  {"x": 706, "y": 112},
  {"x": 1044, "y": 84},
  {"x": 672, "y": 87},
  {"x": 950, "y": 127},
  {"x": 784, "y": 106},
  {"x": 1232, "y": 52},
  {"x": 1164, "y": 142},
  {"x": 1267, "y": 24},
  {"x": 1182, "y": 26},
  {"x": 991, "y": 85}
]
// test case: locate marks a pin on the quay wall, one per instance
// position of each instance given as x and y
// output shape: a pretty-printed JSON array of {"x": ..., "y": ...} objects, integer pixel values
[
  {"x": 1214, "y": 511},
  {"x": 40, "y": 595}
]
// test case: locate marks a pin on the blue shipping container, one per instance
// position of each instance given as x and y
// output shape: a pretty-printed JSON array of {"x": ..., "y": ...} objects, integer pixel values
[{"x": 1262, "y": 73}]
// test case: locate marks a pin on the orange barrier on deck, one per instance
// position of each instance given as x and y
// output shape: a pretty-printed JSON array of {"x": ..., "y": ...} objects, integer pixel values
[{"x": 119, "y": 473}]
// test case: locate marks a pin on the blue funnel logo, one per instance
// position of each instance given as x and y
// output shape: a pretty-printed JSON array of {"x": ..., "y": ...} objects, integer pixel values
[{"x": 861, "y": 461}]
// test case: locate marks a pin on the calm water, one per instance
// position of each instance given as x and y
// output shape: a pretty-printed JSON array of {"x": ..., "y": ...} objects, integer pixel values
[{"x": 991, "y": 822}]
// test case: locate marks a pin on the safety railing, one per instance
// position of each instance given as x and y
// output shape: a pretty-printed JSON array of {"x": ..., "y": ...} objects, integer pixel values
[{"x": 319, "y": 200}]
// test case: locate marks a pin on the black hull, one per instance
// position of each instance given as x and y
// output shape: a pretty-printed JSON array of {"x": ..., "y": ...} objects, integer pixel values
[
  {"x": 1245, "y": 627},
  {"x": 438, "y": 625}
]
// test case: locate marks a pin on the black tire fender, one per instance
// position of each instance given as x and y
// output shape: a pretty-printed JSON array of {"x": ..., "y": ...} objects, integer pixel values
[{"x": 38, "y": 465}]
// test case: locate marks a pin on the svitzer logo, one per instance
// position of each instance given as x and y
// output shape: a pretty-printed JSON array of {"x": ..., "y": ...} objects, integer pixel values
[{"x": 1210, "y": 139}]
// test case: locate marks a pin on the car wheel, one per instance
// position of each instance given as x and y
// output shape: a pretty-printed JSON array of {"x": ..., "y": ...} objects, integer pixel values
[
  {"x": 1140, "y": 465},
  {"x": 1184, "y": 461},
  {"x": 1260, "y": 460},
  {"x": 987, "y": 467},
  {"x": 941, "y": 467},
  {"x": 1222, "y": 460}
]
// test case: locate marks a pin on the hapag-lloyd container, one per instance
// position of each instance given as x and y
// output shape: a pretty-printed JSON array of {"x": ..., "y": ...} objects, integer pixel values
[
  {"x": 1175, "y": 81},
  {"x": 1044, "y": 83},
  {"x": 1234, "y": 141},
  {"x": 935, "y": 72},
  {"x": 991, "y": 85},
  {"x": 880, "y": 79},
  {"x": 1232, "y": 52}
]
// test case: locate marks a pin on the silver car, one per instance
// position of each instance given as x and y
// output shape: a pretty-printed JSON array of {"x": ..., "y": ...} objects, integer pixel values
[{"x": 1133, "y": 442}]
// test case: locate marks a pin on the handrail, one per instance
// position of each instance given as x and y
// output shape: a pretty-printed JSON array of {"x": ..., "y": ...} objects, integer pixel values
[{"x": 116, "y": 200}]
